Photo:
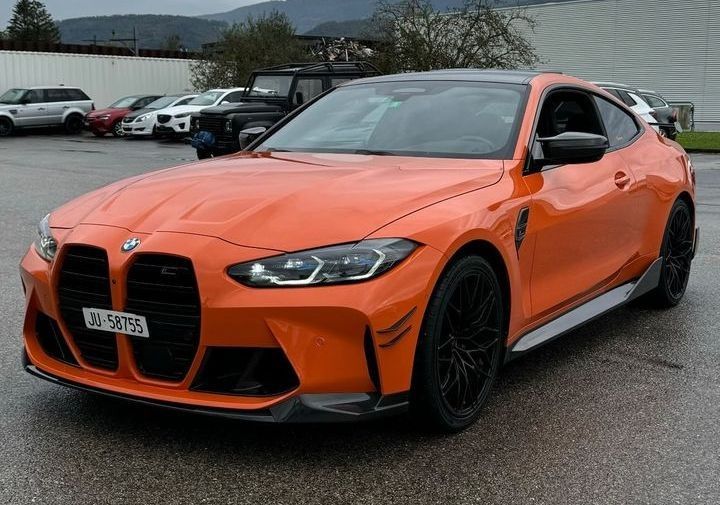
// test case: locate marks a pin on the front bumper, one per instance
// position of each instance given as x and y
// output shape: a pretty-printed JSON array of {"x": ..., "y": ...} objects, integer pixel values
[
  {"x": 330, "y": 335},
  {"x": 176, "y": 126},
  {"x": 99, "y": 125},
  {"x": 141, "y": 128},
  {"x": 309, "y": 408}
]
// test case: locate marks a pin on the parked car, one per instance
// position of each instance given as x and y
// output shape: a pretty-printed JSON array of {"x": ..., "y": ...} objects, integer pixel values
[
  {"x": 175, "y": 121},
  {"x": 272, "y": 94},
  {"x": 43, "y": 106},
  {"x": 109, "y": 120},
  {"x": 141, "y": 123},
  {"x": 633, "y": 98},
  {"x": 386, "y": 248},
  {"x": 665, "y": 112}
]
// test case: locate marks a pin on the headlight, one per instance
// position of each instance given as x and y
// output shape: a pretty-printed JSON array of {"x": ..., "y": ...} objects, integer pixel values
[
  {"x": 142, "y": 118},
  {"x": 45, "y": 244},
  {"x": 180, "y": 116},
  {"x": 329, "y": 265},
  {"x": 104, "y": 117}
]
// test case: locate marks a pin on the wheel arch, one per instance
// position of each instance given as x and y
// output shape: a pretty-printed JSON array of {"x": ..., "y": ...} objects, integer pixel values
[
  {"x": 688, "y": 199},
  {"x": 71, "y": 112}
]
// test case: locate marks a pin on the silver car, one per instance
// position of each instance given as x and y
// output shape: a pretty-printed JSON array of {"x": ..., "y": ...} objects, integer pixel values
[{"x": 43, "y": 106}]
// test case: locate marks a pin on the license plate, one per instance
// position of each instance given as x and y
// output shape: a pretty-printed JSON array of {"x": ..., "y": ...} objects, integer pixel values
[{"x": 116, "y": 322}]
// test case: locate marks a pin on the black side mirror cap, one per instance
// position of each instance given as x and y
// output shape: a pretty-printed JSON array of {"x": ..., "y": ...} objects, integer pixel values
[
  {"x": 572, "y": 148},
  {"x": 249, "y": 135}
]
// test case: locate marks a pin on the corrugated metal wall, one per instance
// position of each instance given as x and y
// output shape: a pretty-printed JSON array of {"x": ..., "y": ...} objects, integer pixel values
[
  {"x": 672, "y": 46},
  {"x": 103, "y": 78}
]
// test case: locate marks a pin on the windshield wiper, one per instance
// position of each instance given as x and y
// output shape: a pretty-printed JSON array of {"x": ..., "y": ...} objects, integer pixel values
[{"x": 371, "y": 152}]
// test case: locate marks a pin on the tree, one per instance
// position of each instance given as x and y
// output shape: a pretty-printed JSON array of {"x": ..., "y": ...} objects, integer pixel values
[
  {"x": 173, "y": 42},
  {"x": 255, "y": 43},
  {"x": 32, "y": 22},
  {"x": 416, "y": 37}
]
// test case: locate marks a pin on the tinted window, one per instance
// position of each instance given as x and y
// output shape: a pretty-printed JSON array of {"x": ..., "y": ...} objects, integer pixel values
[
  {"x": 234, "y": 97},
  {"x": 76, "y": 95},
  {"x": 619, "y": 125},
  {"x": 310, "y": 88},
  {"x": 56, "y": 95},
  {"x": 654, "y": 101},
  {"x": 625, "y": 96},
  {"x": 614, "y": 93},
  {"x": 413, "y": 118},
  {"x": 34, "y": 96}
]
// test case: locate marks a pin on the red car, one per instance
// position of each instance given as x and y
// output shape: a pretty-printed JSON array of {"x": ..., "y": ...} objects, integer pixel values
[{"x": 103, "y": 121}]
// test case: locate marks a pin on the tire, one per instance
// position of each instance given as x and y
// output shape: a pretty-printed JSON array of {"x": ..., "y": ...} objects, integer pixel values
[
  {"x": 203, "y": 154},
  {"x": 6, "y": 127},
  {"x": 117, "y": 129},
  {"x": 460, "y": 347},
  {"x": 73, "y": 124},
  {"x": 676, "y": 252}
]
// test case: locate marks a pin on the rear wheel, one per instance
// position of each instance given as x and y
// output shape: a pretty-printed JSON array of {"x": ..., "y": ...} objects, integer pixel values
[
  {"x": 460, "y": 346},
  {"x": 6, "y": 127},
  {"x": 677, "y": 255},
  {"x": 74, "y": 124}
]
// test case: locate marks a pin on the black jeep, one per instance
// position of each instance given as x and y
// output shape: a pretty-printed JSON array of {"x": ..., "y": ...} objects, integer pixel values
[{"x": 270, "y": 95}]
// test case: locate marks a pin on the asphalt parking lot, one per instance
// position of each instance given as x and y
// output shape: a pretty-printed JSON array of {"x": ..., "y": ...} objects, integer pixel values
[{"x": 624, "y": 411}]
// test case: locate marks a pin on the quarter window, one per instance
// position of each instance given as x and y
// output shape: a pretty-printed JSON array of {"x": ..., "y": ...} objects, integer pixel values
[{"x": 619, "y": 125}]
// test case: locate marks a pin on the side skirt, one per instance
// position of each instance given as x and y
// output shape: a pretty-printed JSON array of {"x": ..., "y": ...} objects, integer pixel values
[{"x": 587, "y": 312}]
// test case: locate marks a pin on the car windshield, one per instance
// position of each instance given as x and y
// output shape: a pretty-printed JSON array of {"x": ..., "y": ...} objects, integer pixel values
[
  {"x": 162, "y": 102},
  {"x": 271, "y": 85},
  {"x": 408, "y": 118},
  {"x": 12, "y": 96},
  {"x": 207, "y": 98},
  {"x": 654, "y": 101},
  {"x": 124, "y": 103}
]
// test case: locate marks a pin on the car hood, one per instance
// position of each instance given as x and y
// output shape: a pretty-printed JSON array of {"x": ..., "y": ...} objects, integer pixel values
[
  {"x": 140, "y": 112},
  {"x": 233, "y": 108},
  {"x": 111, "y": 111},
  {"x": 181, "y": 109},
  {"x": 280, "y": 201}
]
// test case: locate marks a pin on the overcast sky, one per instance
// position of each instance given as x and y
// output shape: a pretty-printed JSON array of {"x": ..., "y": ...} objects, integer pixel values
[{"x": 63, "y": 9}]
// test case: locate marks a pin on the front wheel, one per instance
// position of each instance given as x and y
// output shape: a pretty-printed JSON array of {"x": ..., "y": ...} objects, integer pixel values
[
  {"x": 117, "y": 129},
  {"x": 677, "y": 255},
  {"x": 204, "y": 154},
  {"x": 6, "y": 127},
  {"x": 460, "y": 346}
]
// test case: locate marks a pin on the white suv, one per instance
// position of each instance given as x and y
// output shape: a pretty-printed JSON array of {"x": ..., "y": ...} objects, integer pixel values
[
  {"x": 176, "y": 120},
  {"x": 43, "y": 106},
  {"x": 142, "y": 122}
]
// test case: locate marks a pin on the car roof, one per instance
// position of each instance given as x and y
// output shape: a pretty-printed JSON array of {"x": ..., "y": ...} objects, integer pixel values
[
  {"x": 461, "y": 74},
  {"x": 616, "y": 85},
  {"x": 224, "y": 90},
  {"x": 58, "y": 86}
]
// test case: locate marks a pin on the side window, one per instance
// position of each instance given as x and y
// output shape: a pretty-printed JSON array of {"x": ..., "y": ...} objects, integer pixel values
[
  {"x": 35, "y": 96},
  {"x": 620, "y": 126},
  {"x": 566, "y": 111},
  {"x": 234, "y": 97},
  {"x": 655, "y": 101},
  {"x": 56, "y": 95},
  {"x": 625, "y": 96},
  {"x": 310, "y": 88},
  {"x": 336, "y": 81},
  {"x": 614, "y": 93}
]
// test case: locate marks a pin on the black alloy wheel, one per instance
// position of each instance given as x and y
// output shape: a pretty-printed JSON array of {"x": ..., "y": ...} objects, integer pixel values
[
  {"x": 460, "y": 346},
  {"x": 74, "y": 124},
  {"x": 677, "y": 254},
  {"x": 6, "y": 127}
]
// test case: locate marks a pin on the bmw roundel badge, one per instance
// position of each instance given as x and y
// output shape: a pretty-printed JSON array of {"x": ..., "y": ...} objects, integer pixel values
[{"x": 130, "y": 244}]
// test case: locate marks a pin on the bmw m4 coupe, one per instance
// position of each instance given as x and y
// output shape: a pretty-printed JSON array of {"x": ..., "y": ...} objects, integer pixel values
[{"x": 385, "y": 248}]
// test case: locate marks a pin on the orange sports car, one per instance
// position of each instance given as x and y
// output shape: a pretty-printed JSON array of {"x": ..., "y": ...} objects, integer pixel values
[{"x": 385, "y": 248}]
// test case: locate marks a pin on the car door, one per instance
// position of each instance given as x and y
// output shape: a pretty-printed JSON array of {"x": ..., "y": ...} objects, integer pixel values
[
  {"x": 57, "y": 102},
  {"x": 33, "y": 109},
  {"x": 578, "y": 212}
]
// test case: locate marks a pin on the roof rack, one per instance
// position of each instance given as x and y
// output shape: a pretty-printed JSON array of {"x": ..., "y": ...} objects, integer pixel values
[{"x": 331, "y": 66}]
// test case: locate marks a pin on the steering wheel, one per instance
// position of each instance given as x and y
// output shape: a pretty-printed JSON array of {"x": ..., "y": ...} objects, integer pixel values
[{"x": 481, "y": 140}]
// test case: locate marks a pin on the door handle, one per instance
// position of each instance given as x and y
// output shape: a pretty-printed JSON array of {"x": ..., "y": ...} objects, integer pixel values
[
  {"x": 41, "y": 108},
  {"x": 622, "y": 179},
  {"x": 66, "y": 107}
]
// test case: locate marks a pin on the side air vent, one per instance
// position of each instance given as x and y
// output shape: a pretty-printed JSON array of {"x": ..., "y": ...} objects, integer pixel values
[{"x": 51, "y": 340}]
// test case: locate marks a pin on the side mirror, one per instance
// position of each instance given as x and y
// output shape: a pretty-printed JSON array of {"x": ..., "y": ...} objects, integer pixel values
[
  {"x": 572, "y": 148},
  {"x": 249, "y": 135}
]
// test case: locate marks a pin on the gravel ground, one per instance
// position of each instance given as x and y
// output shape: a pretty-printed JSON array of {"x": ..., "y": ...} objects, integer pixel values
[{"x": 623, "y": 411}]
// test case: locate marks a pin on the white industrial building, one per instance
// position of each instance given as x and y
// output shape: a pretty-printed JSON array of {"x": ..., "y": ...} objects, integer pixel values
[
  {"x": 670, "y": 46},
  {"x": 105, "y": 78}
]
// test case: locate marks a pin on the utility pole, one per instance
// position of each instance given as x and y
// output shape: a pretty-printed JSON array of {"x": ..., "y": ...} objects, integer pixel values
[{"x": 134, "y": 49}]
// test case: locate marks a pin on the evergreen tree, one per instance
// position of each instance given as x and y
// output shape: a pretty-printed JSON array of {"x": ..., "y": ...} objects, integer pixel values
[{"x": 32, "y": 22}]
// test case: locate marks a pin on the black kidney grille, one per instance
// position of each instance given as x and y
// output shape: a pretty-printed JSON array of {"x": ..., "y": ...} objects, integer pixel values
[
  {"x": 85, "y": 282},
  {"x": 164, "y": 290}
]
